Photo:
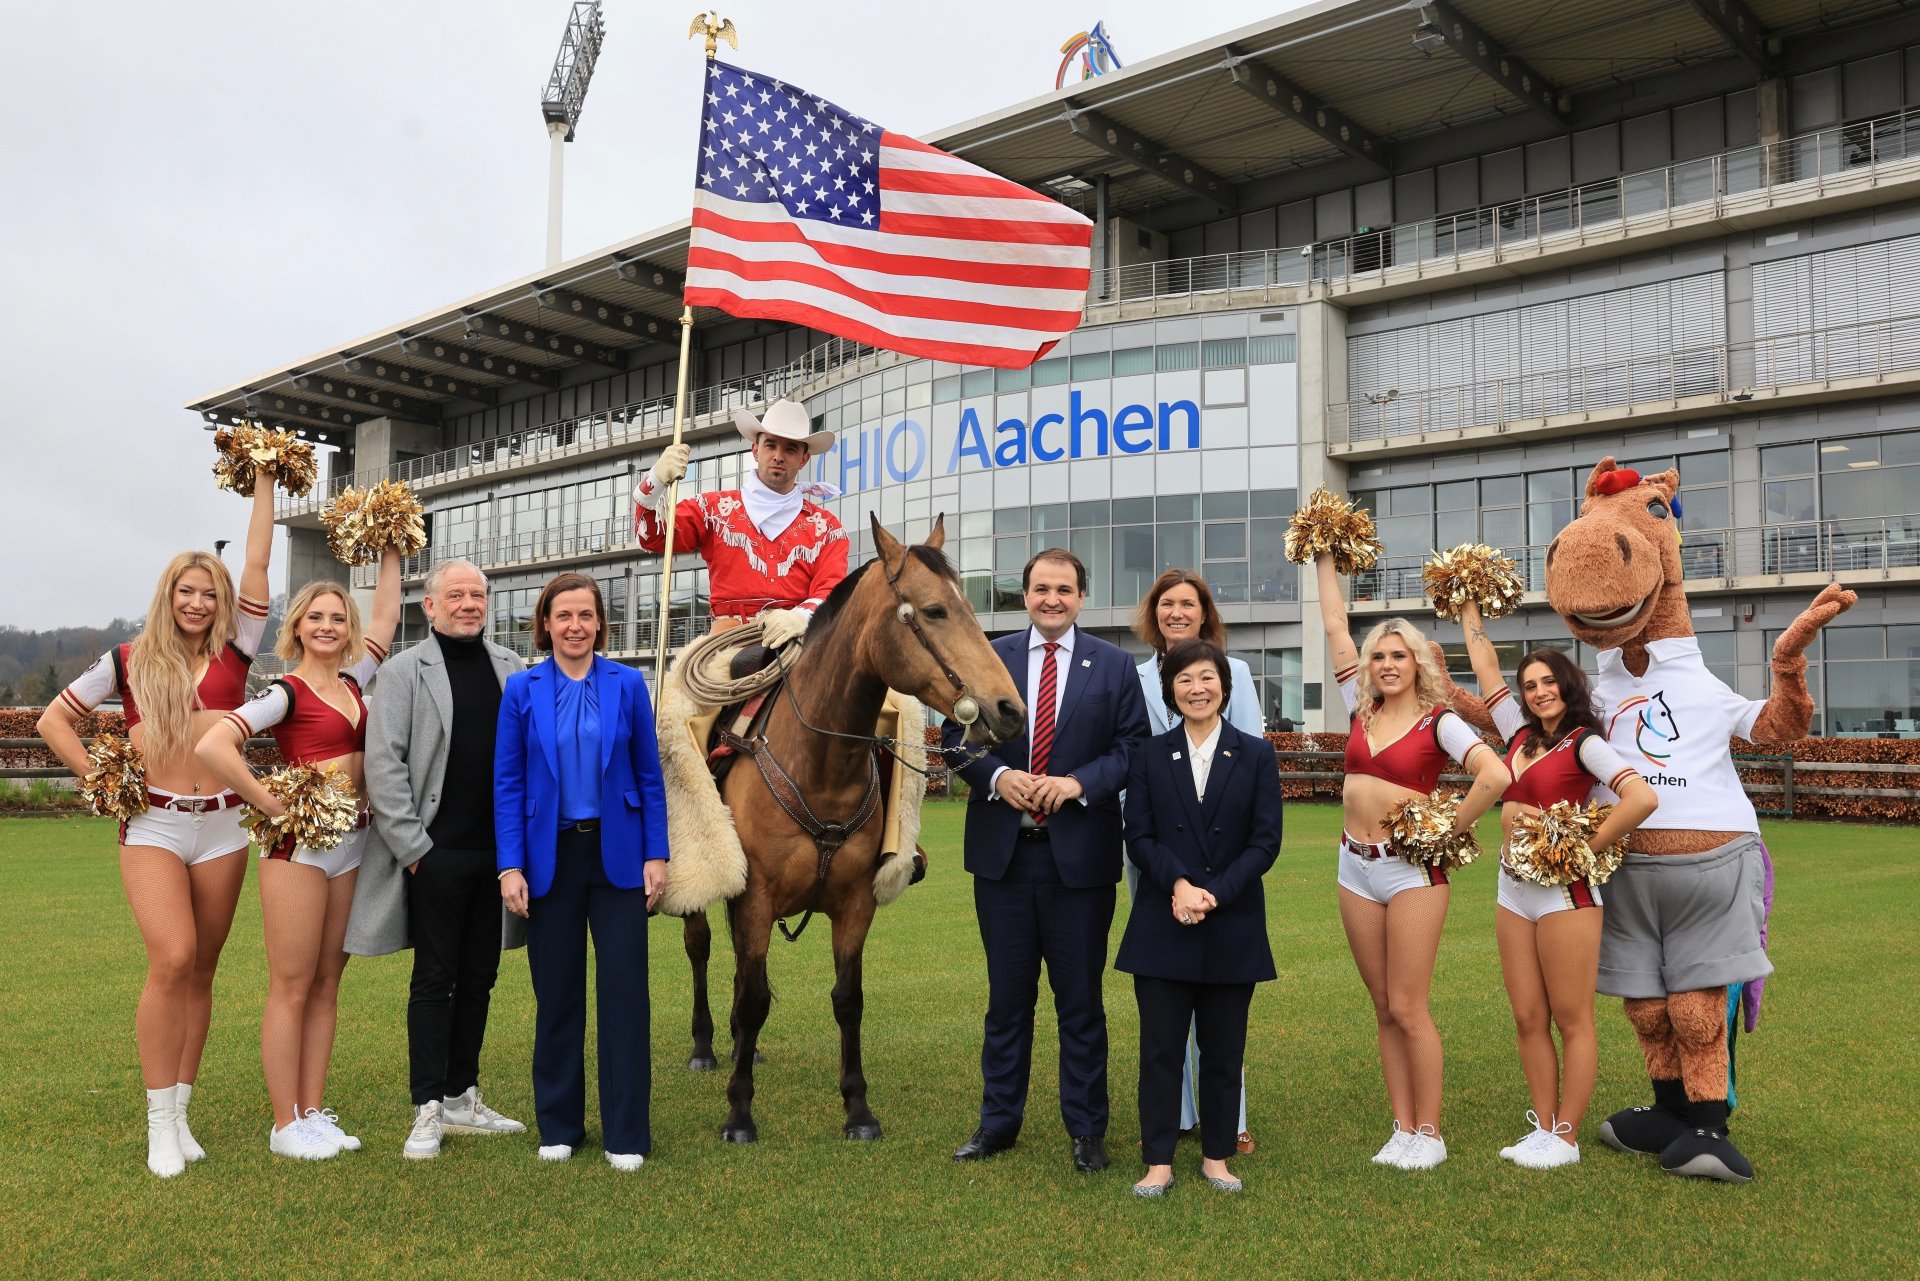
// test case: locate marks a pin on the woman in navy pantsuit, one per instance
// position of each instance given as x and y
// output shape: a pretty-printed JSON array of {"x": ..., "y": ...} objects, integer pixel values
[
  {"x": 1203, "y": 825},
  {"x": 581, "y": 826}
]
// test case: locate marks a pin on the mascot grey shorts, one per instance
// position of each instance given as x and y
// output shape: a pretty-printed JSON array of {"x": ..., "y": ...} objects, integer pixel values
[{"x": 1685, "y": 922}]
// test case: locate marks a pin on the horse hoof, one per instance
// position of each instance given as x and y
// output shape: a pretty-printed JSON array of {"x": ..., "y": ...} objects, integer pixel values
[
  {"x": 739, "y": 1134},
  {"x": 864, "y": 1133},
  {"x": 703, "y": 1063}
]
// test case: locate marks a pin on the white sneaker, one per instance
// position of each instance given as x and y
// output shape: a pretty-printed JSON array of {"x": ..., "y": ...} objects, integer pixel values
[
  {"x": 626, "y": 1160},
  {"x": 303, "y": 1139},
  {"x": 164, "y": 1157},
  {"x": 1513, "y": 1150},
  {"x": 424, "y": 1142},
  {"x": 1424, "y": 1150},
  {"x": 466, "y": 1114},
  {"x": 189, "y": 1146},
  {"x": 1390, "y": 1154},
  {"x": 1554, "y": 1148},
  {"x": 328, "y": 1122},
  {"x": 555, "y": 1152}
]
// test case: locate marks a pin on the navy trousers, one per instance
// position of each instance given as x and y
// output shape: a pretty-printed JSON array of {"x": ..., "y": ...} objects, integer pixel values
[
  {"x": 1028, "y": 918},
  {"x": 1218, "y": 1014},
  {"x": 557, "y": 926}
]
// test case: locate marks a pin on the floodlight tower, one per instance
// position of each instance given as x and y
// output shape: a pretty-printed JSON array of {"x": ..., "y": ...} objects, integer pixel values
[{"x": 566, "y": 93}]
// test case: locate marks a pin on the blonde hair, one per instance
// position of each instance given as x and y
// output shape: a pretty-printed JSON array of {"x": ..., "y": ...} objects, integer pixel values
[
  {"x": 161, "y": 661},
  {"x": 1430, "y": 684},
  {"x": 288, "y": 645}
]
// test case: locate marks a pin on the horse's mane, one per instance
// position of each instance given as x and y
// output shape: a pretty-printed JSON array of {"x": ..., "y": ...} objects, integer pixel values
[{"x": 932, "y": 557}]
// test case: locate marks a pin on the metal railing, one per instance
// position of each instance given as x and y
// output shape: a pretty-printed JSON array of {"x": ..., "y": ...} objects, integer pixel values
[
  {"x": 1866, "y": 348},
  {"x": 1802, "y": 167},
  {"x": 1832, "y": 547}
]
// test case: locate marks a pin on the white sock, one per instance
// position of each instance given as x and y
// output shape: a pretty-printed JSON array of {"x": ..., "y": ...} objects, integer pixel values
[
  {"x": 163, "y": 1133},
  {"x": 189, "y": 1146}
]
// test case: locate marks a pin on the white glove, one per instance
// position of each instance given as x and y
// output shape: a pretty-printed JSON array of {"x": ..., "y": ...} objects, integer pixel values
[
  {"x": 671, "y": 465},
  {"x": 779, "y": 626}
]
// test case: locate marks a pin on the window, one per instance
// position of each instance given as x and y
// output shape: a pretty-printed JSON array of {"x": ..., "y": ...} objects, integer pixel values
[
  {"x": 1271, "y": 349},
  {"x": 976, "y": 382},
  {"x": 1132, "y": 360},
  {"x": 1219, "y": 353},
  {"x": 1178, "y": 356},
  {"x": 1094, "y": 364}
]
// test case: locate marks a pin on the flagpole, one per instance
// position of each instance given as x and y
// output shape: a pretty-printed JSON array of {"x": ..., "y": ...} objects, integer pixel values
[{"x": 715, "y": 29}]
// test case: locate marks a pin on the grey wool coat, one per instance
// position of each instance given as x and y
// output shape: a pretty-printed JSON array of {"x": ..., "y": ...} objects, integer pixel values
[{"x": 409, "y": 715}]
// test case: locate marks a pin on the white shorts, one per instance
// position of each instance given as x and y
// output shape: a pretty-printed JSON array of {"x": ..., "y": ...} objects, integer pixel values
[
  {"x": 192, "y": 837},
  {"x": 1379, "y": 878},
  {"x": 1525, "y": 899},
  {"x": 338, "y": 861}
]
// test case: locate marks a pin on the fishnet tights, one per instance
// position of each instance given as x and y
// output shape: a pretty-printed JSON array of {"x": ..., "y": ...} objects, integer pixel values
[
  {"x": 304, "y": 916},
  {"x": 183, "y": 914}
]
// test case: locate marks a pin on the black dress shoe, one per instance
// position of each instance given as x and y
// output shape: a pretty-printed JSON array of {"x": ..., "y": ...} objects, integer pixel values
[
  {"x": 983, "y": 1144},
  {"x": 1090, "y": 1153}
]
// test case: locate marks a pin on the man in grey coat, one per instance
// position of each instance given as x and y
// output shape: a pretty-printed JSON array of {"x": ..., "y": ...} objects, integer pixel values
[{"x": 428, "y": 877}]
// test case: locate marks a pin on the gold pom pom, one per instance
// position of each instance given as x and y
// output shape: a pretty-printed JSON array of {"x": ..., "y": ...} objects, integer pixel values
[
  {"x": 116, "y": 781},
  {"x": 1472, "y": 572},
  {"x": 247, "y": 448},
  {"x": 322, "y": 808},
  {"x": 363, "y": 523},
  {"x": 1554, "y": 846},
  {"x": 1420, "y": 830},
  {"x": 1331, "y": 524}
]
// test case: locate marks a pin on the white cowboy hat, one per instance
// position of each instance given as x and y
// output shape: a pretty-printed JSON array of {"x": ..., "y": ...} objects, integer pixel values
[{"x": 788, "y": 420}]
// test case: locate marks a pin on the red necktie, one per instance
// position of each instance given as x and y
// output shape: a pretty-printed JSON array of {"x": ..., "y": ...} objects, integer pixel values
[{"x": 1043, "y": 718}]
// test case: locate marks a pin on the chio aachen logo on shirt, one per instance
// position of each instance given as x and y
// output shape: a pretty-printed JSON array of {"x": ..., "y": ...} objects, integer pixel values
[
  {"x": 1654, "y": 733},
  {"x": 873, "y": 456}
]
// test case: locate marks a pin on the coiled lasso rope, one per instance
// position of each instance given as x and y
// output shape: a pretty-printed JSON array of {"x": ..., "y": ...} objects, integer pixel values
[{"x": 718, "y": 692}]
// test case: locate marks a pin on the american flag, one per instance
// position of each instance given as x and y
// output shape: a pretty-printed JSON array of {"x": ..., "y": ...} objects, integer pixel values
[{"x": 806, "y": 213}]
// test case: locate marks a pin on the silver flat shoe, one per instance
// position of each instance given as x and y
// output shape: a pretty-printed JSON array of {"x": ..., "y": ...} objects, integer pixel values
[
  {"x": 1152, "y": 1189},
  {"x": 1226, "y": 1185}
]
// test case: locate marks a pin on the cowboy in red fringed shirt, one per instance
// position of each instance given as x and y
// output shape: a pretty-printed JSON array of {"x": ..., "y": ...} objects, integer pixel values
[{"x": 772, "y": 552}]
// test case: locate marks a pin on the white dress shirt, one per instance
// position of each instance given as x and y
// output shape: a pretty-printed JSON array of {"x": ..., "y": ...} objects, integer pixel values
[{"x": 1200, "y": 757}]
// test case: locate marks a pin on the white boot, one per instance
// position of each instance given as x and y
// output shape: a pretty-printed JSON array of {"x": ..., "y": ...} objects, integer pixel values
[
  {"x": 189, "y": 1146},
  {"x": 163, "y": 1133}
]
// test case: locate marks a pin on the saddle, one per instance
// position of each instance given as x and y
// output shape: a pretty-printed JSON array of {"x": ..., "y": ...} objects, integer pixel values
[{"x": 722, "y": 730}]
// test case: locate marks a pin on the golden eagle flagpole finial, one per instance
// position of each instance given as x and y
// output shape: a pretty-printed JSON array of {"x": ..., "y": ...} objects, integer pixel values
[{"x": 715, "y": 28}]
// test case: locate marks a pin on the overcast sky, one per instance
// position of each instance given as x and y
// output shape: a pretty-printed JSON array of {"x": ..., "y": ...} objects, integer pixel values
[{"x": 201, "y": 190}]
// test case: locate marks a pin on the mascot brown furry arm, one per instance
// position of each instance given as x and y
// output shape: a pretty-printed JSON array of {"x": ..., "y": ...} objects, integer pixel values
[{"x": 1685, "y": 913}]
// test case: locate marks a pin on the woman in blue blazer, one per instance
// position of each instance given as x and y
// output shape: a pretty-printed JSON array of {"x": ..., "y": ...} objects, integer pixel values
[
  {"x": 1179, "y": 606},
  {"x": 580, "y": 820},
  {"x": 1203, "y": 820}
]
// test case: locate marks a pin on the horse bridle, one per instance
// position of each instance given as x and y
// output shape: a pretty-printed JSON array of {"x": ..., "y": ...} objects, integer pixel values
[{"x": 966, "y": 708}]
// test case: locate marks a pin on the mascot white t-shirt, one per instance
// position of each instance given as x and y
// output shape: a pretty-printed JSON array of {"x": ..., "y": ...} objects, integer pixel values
[{"x": 1672, "y": 725}]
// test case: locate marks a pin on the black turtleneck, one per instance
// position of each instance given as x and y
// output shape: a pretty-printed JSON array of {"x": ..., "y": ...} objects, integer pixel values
[{"x": 465, "y": 818}]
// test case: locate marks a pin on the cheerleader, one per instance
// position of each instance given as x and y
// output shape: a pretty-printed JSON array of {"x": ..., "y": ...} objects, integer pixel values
[
  {"x": 186, "y": 669},
  {"x": 1401, "y": 740},
  {"x": 1550, "y": 934},
  {"x": 318, "y": 717}
]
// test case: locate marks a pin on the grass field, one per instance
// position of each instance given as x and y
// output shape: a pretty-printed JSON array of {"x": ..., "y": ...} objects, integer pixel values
[{"x": 1827, "y": 1087}]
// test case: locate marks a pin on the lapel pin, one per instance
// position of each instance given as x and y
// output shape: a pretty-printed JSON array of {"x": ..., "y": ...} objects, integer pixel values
[
  {"x": 1086, "y": 662},
  {"x": 1229, "y": 752},
  {"x": 1176, "y": 756}
]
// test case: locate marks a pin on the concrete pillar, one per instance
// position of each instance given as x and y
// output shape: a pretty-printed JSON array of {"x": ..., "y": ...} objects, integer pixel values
[
  {"x": 382, "y": 442},
  {"x": 1323, "y": 382},
  {"x": 309, "y": 560}
]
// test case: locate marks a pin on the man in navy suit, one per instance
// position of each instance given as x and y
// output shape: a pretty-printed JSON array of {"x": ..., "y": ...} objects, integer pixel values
[{"x": 1043, "y": 845}]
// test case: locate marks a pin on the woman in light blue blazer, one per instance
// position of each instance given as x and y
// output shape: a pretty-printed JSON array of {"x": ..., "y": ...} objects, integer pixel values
[
  {"x": 1179, "y": 606},
  {"x": 580, "y": 824}
]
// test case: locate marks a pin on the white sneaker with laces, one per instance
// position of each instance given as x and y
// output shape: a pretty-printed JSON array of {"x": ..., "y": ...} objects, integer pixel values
[
  {"x": 424, "y": 1142},
  {"x": 1424, "y": 1150},
  {"x": 466, "y": 1114},
  {"x": 1395, "y": 1146},
  {"x": 626, "y": 1160},
  {"x": 556, "y": 1152},
  {"x": 1554, "y": 1149},
  {"x": 304, "y": 1140},
  {"x": 328, "y": 1122},
  {"x": 1510, "y": 1152}
]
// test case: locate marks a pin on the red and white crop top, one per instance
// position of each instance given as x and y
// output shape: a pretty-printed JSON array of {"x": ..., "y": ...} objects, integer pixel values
[
  {"x": 222, "y": 688},
  {"x": 1418, "y": 757},
  {"x": 308, "y": 728},
  {"x": 1567, "y": 772}
]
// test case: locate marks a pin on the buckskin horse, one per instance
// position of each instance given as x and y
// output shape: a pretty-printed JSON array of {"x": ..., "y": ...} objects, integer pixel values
[{"x": 805, "y": 801}]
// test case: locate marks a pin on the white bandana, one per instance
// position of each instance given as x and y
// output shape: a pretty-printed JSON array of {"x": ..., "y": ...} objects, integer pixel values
[{"x": 770, "y": 513}]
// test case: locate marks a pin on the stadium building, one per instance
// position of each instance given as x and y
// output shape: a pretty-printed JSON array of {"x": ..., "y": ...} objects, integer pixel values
[{"x": 1440, "y": 256}]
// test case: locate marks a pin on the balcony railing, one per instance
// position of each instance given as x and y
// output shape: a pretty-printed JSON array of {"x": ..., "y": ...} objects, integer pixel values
[
  {"x": 1840, "y": 548},
  {"x": 1865, "y": 349},
  {"x": 1799, "y": 168}
]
